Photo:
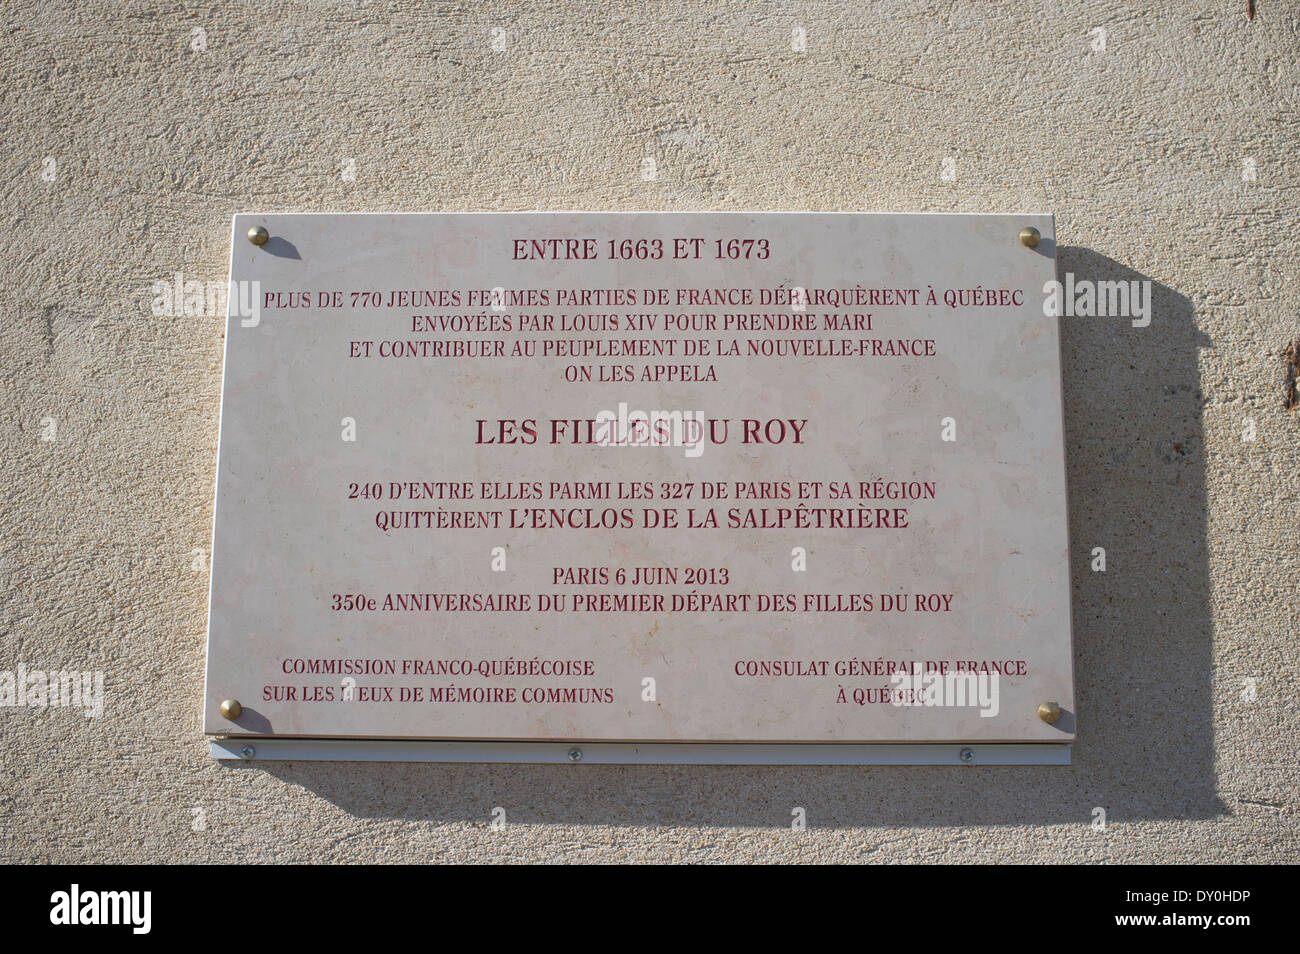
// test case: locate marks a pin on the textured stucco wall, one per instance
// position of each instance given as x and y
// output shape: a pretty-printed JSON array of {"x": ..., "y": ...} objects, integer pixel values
[{"x": 1139, "y": 148}]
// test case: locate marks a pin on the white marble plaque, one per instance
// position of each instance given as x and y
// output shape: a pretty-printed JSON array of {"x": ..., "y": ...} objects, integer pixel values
[{"x": 641, "y": 477}]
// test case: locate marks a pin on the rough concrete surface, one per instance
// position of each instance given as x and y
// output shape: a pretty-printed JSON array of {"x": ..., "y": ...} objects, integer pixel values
[{"x": 1168, "y": 153}]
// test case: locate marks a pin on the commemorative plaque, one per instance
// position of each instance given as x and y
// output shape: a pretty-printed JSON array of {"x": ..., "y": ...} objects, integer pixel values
[{"x": 641, "y": 478}]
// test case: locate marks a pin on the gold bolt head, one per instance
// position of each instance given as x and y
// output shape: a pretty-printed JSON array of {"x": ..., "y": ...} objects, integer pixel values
[
  {"x": 1049, "y": 712},
  {"x": 258, "y": 235},
  {"x": 1029, "y": 236},
  {"x": 231, "y": 709}
]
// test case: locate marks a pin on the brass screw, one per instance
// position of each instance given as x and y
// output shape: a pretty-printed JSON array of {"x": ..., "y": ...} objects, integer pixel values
[
  {"x": 231, "y": 709},
  {"x": 258, "y": 235},
  {"x": 1049, "y": 712},
  {"x": 1029, "y": 236}
]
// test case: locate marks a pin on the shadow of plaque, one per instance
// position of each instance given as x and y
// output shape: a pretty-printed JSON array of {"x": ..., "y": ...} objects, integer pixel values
[{"x": 1135, "y": 461}]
